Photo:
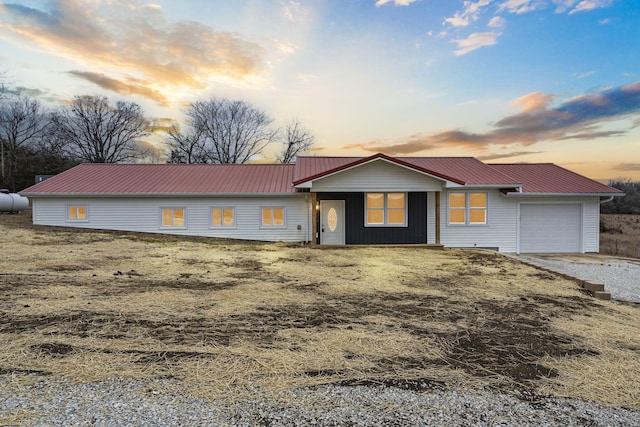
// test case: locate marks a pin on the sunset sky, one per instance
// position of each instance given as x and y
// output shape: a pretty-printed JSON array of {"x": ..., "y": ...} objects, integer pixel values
[{"x": 506, "y": 81}]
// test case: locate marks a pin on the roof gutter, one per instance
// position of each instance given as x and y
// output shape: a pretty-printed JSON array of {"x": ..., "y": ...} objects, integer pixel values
[
  {"x": 519, "y": 194},
  {"x": 608, "y": 199}
]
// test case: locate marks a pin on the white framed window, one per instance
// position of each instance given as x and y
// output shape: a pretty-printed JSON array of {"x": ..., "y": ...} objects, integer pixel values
[
  {"x": 467, "y": 208},
  {"x": 173, "y": 218},
  {"x": 223, "y": 217},
  {"x": 385, "y": 209},
  {"x": 272, "y": 216},
  {"x": 77, "y": 213}
]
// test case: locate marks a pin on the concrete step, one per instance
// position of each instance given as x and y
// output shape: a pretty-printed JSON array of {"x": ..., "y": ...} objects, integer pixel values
[
  {"x": 593, "y": 287},
  {"x": 606, "y": 296}
]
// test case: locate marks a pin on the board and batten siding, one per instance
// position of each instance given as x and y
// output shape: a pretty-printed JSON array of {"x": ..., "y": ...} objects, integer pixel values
[
  {"x": 377, "y": 176},
  {"x": 358, "y": 233},
  {"x": 143, "y": 214}
]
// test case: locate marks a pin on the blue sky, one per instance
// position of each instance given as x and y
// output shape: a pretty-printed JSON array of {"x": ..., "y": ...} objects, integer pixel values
[{"x": 506, "y": 81}]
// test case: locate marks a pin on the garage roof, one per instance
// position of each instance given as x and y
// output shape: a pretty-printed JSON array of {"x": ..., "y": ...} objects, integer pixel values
[{"x": 545, "y": 178}]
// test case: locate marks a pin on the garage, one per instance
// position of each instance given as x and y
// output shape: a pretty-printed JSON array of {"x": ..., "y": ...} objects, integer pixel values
[{"x": 548, "y": 228}]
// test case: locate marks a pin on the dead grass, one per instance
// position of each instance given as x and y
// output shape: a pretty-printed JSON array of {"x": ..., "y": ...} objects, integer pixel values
[
  {"x": 225, "y": 319},
  {"x": 620, "y": 235}
]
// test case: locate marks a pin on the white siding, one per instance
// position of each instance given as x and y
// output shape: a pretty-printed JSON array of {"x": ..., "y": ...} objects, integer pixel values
[
  {"x": 503, "y": 226},
  {"x": 500, "y": 231},
  {"x": 143, "y": 215},
  {"x": 379, "y": 175}
]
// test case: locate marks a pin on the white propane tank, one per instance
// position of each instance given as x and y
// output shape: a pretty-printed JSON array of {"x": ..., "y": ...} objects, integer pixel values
[{"x": 12, "y": 202}]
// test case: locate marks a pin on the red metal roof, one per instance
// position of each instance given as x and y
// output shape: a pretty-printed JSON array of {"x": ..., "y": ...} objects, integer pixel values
[
  {"x": 461, "y": 170},
  {"x": 168, "y": 179},
  {"x": 145, "y": 179},
  {"x": 550, "y": 178}
]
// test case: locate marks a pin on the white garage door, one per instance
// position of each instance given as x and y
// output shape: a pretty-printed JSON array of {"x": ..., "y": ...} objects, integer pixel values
[{"x": 550, "y": 228}]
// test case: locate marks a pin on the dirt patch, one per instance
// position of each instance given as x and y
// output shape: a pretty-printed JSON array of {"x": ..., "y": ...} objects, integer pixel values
[
  {"x": 497, "y": 340},
  {"x": 53, "y": 349},
  {"x": 227, "y": 318}
]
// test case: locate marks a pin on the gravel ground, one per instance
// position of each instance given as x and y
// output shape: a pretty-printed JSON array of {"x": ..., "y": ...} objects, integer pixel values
[
  {"x": 120, "y": 402},
  {"x": 621, "y": 277}
]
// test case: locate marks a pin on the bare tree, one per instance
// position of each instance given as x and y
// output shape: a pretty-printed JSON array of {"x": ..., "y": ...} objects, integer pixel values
[
  {"x": 297, "y": 139},
  {"x": 223, "y": 131},
  {"x": 186, "y": 147},
  {"x": 22, "y": 123},
  {"x": 2, "y": 142},
  {"x": 2, "y": 87},
  {"x": 96, "y": 132}
]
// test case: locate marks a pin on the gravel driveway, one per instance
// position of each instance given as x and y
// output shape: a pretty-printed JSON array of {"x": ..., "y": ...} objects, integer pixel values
[{"x": 621, "y": 276}]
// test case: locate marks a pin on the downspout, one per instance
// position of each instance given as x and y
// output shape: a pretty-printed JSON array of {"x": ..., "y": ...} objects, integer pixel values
[{"x": 608, "y": 199}]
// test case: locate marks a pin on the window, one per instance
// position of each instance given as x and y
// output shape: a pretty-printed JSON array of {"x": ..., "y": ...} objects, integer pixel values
[
  {"x": 223, "y": 217},
  {"x": 386, "y": 209},
  {"x": 272, "y": 217},
  {"x": 467, "y": 208},
  {"x": 173, "y": 217},
  {"x": 77, "y": 213}
]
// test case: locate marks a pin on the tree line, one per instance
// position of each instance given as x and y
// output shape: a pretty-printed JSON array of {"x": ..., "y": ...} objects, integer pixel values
[
  {"x": 627, "y": 204},
  {"x": 39, "y": 140}
]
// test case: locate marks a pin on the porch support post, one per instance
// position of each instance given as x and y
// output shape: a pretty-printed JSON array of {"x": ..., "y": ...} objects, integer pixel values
[
  {"x": 314, "y": 218},
  {"x": 437, "y": 217}
]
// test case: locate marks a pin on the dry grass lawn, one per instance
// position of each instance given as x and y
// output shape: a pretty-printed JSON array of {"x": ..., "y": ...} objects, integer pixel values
[
  {"x": 226, "y": 318},
  {"x": 620, "y": 235}
]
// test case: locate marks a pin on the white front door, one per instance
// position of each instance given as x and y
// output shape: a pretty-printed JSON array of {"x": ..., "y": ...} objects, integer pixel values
[{"x": 332, "y": 222}]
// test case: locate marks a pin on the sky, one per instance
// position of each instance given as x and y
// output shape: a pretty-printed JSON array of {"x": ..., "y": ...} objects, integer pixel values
[{"x": 505, "y": 81}]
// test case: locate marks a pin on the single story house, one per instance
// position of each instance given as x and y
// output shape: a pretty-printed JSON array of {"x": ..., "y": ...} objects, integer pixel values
[{"x": 454, "y": 202}]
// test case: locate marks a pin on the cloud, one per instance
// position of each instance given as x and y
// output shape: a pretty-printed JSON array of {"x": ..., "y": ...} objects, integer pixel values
[
  {"x": 574, "y": 6},
  {"x": 586, "y": 5},
  {"x": 293, "y": 11},
  {"x": 306, "y": 78},
  {"x": 506, "y": 155},
  {"x": 28, "y": 91},
  {"x": 497, "y": 22},
  {"x": 133, "y": 39},
  {"x": 123, "y": 88},
  {"x": 627, "y": 167},
  {"x": 472, "y": 11},
  {"x": 519, "y": 7},
  {"x": 476, "y": 41},
  {"x": 533, "y": 101},
  {"x": 395, "y": 2},
  {"x": 163, "y": 124},
  {"x": 576, "y": 118},
  {"x": 469, "y": 13}
]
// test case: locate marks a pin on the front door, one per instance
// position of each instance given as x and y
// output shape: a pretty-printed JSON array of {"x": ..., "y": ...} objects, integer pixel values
[{"x": 332, "y": 222}]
